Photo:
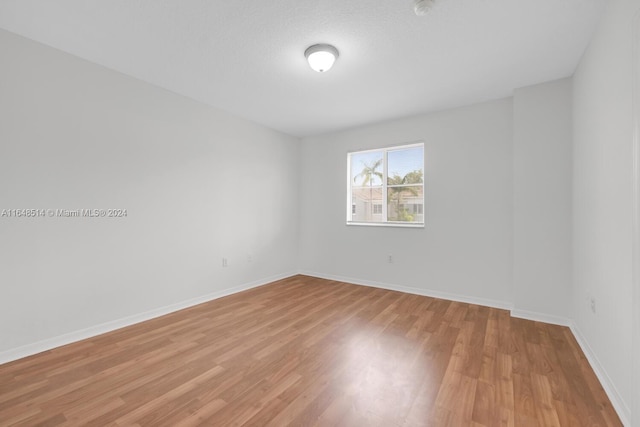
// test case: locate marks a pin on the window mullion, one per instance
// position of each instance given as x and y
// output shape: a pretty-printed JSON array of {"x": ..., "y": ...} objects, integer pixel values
[
  {"x": 384, "y": 186},
  {"x": 349, "y": 190}
]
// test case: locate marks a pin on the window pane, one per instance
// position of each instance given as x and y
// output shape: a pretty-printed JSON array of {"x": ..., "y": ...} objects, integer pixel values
[
  {"x": 386, "y": 186},
  {"x": 405, "y": 166},
  {"x": 405, "y": 203},
  {"x": 367, "y": 168},
  {"x": 365, "y": 200}
]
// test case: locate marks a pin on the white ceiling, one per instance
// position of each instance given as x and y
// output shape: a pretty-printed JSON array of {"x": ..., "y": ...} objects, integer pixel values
[{"x": 247, "y": 57}]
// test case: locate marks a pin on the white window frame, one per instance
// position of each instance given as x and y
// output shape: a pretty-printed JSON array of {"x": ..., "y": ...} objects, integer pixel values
[{"x": 384, "y": 222}]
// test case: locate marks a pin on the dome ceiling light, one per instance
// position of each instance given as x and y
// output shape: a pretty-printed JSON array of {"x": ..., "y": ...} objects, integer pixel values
[{"x": 321, "y": 57}]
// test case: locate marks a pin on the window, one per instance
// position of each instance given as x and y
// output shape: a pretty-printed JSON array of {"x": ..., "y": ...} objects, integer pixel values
[{"x": 386, "y": 186}]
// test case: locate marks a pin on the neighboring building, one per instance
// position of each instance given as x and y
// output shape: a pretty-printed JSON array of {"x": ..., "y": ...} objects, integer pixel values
[{"x": 367, "y": 205}]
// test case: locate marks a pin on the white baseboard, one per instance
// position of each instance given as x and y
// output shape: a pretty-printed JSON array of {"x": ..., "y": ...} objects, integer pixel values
[
  {"x": 416, "y": 291},
  {"x": 541, "y": 317},
  {"x": 612, "y": 392},
  {"x": 71, "y": 337}
]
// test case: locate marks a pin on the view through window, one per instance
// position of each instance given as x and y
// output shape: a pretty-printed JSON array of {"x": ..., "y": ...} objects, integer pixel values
[{"x": 386, "y": 186}]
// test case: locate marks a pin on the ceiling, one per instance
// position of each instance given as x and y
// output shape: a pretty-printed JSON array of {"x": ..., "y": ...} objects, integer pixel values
[{"x": 247, "y": 57}]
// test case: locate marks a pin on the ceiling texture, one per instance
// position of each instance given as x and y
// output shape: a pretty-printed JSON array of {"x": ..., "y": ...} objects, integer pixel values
[{"x": 247, "y": 57}]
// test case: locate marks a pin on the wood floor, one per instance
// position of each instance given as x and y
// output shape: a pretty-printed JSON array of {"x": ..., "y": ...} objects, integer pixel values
[{"x": 307, "y": 352}]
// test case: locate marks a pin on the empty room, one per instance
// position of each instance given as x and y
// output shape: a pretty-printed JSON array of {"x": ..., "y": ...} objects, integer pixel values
[{"x": 320, "y": 213}]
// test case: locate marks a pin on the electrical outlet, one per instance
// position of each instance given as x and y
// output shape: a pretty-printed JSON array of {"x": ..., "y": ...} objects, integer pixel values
[
  {"x": 390, "y": 259},
  {"x": 592, "y": 304},
  {"x": 224, "y": 262}
]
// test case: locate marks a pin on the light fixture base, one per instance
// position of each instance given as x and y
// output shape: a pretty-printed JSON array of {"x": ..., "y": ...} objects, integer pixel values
[{"x": 421, "y": 7}]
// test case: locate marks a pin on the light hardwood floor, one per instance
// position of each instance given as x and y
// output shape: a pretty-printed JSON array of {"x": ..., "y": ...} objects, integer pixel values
[{"x": 304, "y": 352}]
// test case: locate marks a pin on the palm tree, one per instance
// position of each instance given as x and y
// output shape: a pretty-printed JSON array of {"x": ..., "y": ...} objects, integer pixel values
[
  {"x": 368, "y": 173},
  {"x": 400, "y": 185}
]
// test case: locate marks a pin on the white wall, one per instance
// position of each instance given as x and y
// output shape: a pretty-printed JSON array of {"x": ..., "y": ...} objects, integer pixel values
[
  {"x": 636, "y": 223},
  {"x": 198, "y": 184},
  {"x": 602, "y": 100},
  {"x": 542, "y": 201},
  {"x": 465, "y": 249}
]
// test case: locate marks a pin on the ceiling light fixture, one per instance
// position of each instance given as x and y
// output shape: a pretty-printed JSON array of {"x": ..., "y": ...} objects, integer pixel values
[
  {"x": 321, "y": 57},
  {"x": 421, "y": 7}
]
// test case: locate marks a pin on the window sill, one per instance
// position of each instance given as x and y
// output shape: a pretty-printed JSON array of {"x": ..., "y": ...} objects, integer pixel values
[{"x": 387, "y": 224}]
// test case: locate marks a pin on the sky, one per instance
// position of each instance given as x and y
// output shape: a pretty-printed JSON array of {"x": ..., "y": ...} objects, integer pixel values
[{"x": 401, "y": 162}]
